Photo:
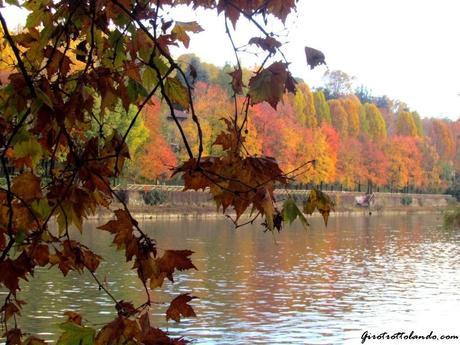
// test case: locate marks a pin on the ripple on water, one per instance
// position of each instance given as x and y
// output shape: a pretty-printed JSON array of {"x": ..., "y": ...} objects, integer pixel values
[{"x": 321, "y": 287}]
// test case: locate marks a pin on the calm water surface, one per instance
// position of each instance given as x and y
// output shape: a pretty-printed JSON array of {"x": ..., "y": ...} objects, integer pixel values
[{"x": 324, "y": 286}]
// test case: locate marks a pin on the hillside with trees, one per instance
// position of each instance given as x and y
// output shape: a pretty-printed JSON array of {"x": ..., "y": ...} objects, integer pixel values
[{"x": 357, "y": 141}]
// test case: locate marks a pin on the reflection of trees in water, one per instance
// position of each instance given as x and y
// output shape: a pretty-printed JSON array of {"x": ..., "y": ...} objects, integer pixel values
[{"x": 245, "y": 278}]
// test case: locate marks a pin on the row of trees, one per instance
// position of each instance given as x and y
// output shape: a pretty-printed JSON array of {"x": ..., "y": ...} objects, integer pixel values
[{"x": 353, "y": 137}]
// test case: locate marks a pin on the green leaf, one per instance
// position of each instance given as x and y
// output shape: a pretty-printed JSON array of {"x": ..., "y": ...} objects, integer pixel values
[
  {"x": 161, "y": 63},
  {"x": 34, "y": 18},
  {"x": 29, "y": 148},
  {"x": 177, "y": 92},
  {"x": 135, "y": 90},
  {"x": 20, "y": 236},
  {"x": 41, "y": 207},
  {"x": 149, "y": 78},
  {"x": 75, "y": 334},
  {"x": 13, "y": 2},
  {"x": 291, "y": 212}
]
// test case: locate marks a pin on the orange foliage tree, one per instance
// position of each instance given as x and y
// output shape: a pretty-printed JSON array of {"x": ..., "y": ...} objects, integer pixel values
[
  {"x": 404, "y": 162},
  {"x": 157, "y": 158}
]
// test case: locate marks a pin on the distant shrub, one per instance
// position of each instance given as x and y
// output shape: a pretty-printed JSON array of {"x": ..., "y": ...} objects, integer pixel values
[
  {"x": 122, "y": 195},
  {"x": 452, "y": 218},
  {"x": 454, "y": 191},
  {"x": 406, "y": 200},
  {"x": 154, "y": 197}
]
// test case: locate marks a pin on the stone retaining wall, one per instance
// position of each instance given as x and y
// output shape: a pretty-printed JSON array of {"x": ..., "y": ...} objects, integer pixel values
[{"x": 343, "y": 200}]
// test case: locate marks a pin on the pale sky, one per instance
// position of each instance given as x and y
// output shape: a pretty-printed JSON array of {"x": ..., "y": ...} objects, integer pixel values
[{"x": 406, "y": 49}]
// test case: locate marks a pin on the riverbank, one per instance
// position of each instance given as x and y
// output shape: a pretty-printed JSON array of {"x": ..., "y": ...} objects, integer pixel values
[{"x": 191, "y": 204}]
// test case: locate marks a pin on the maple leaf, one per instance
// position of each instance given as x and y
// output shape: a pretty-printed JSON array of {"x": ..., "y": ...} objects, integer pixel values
[
  {"x": 152, "y": 335},
  {"x": 74, "y": 256},
  {"x": 237, "y": 80},
  {"x": 232, "y": 12},
  {"x": 181, "y": 28},
  {"x": 90, "y": 260},
  {"x": 122, "y": 228},
  {"x": 8, "y": 310},
  {"x": 268, "y": 43},
  {"x": 291, "y": 212},
  {"x": 27, "y": 186},
  {"x": 175, "y": 259},
  {"x": 40, "y": 253},
  {"x": 179, "y": 306},
  {"x": 320, "y": 201},
  {"x": 281, "y": 8},
  {"x": 193, "y": 177},
  {"x": 13, "y": 336},
  {"x": 75, "y": 334},
  {"x": 314, "y": 57},
  {"x": 267, "y": 207},
  {"x": 163, "y": 267},
  {"x": 228, "y": 139},
  {"x": 12, "y": 270},
  {"x": 118, "y": 331},
  {"x": 269, "y": 84},
  {"x": 177, "y": 92}
]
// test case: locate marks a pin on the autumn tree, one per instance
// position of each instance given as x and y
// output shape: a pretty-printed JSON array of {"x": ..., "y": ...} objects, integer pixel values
[
  {"x": 405, "y": 124},
  {"x": 404, "y": 162},
  {"x": 363, "y": 123},
  {"x": 441, "y": 135},
  {"x": 338, "y": 83},
  {"x": 156, "y": 158},
  {"x": 377, "y": 125},
  {"x": 418, "y": 124},
  {"x": 213, "y": 104},
  {"x": 352, "y": 107},
  {"x": 431, "y": 165},
  {"x": 350, "y": 167},
  {"x": 304, "y": 106},
  {"x": 323, "y": 113},
  {"x": 375, "y": 164},
  {"x": 339, "y": 117}
]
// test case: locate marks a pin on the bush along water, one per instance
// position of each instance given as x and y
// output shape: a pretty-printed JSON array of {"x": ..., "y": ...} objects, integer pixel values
[{"x": 154, "y": 197}]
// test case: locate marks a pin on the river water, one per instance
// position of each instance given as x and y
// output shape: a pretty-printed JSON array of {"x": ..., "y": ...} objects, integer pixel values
[{"x": 321, "y": 286}]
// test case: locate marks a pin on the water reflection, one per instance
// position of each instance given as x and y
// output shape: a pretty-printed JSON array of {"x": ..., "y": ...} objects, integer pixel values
[{"x": 324, "y": 286}]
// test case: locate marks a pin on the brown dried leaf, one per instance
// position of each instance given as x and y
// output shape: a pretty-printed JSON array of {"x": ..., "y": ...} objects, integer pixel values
[
  {"x": 27, "y": 187},
  {"x": 179, "y": 306},
  {"x": 237, "y": 80},
  {"x": 122, "y": 228},
  {"x": 314, "y": 57},
  {"x": 73, "y": 317},
  {"x": 13, "y": 336},
  {"x": 41, "y": 254},
  {"x": 268, "y": 85},
  {"x": 34, "y": 341},
  {"x": 269, "y": 44}
]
